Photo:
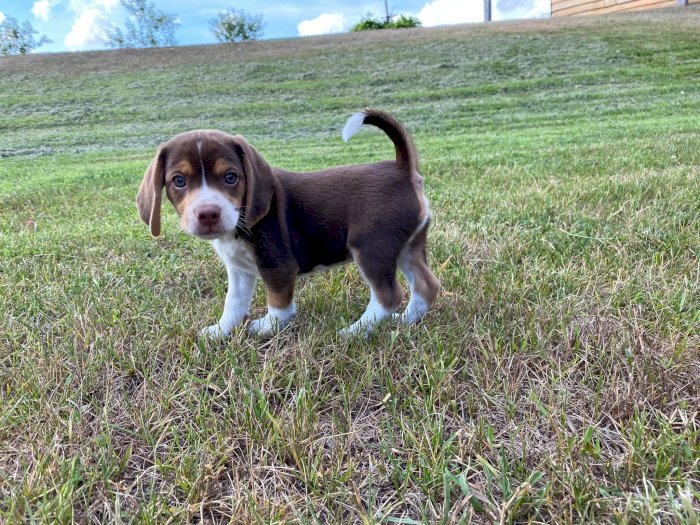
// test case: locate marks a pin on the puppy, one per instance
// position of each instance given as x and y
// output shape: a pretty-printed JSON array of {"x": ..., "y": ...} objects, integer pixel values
[{"x": 277, "y": 225}]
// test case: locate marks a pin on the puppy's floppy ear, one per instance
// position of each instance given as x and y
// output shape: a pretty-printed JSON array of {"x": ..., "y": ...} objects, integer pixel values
[
  {"x": 260, "y": 182},
  {"x": 150, "y": 192}
]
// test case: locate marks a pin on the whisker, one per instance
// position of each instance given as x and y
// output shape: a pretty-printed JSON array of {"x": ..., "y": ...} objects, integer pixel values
[{"x": 242, "y": 226}]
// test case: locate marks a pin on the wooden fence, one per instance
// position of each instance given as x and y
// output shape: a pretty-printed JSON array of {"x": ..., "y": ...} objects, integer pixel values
[{"x": 598, "y": 7}]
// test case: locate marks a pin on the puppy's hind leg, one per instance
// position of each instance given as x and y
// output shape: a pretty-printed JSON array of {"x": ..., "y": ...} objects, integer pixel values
[
  {"x": 423, "y": 284},
  {"x": 385, "y": 294}
]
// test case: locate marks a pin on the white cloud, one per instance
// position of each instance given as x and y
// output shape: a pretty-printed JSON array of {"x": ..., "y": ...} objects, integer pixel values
[
  {"x": 41, "y": 9},
  {"x": 78, "y": 6},
  {"x": 322, "y": 24},
  {"x": 508, "y": 9},
  {"x": 88, "y": 31},
  {"x": 2, "y": 17},
  {"x": 441, "y": 12}
]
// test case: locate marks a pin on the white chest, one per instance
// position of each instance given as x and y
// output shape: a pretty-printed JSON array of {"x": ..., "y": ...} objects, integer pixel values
[{"x": 236, "y": 254}]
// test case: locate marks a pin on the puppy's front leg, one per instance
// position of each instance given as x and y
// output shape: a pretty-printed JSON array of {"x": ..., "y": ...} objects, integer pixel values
[
  {"x": 280, "y": 308},
  {"x": 236, "y": 306}
]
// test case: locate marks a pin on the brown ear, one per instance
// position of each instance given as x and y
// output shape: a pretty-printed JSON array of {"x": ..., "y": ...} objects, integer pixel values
[
  {"x": 150, "y": 192},
  {"x": 260, "y": 182}
]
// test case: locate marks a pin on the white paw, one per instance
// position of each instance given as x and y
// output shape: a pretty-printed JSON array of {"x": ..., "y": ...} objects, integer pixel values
[
  {"x": 416, "y": 309},
  {"x": 357, "y": 329},
  {"x": 410, "y": 318},
  {"x": 405, "y": 318},
  {"x": 214, "y": 331},
  {"x": 266, "y": 326}
]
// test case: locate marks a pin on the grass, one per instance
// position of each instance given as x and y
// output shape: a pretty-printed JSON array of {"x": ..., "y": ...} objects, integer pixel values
[{"x": 556, "y": 379}]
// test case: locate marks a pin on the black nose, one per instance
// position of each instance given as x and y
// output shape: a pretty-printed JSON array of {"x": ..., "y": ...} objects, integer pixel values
[{"x": 208, "y": 214}]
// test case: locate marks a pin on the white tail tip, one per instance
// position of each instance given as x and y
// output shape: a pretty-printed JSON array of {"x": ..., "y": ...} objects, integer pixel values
[{"x": 353, "y": 125}]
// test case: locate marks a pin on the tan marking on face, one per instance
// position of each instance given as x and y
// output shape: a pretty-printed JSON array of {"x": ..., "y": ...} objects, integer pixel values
[
  {"x": 183, "y": 205},
  {"x": 182, "y": 197},
  {"x": 235, "y": 193},
  {"x": 221, "y": 166},
  {"x": 184, "y": 167}
]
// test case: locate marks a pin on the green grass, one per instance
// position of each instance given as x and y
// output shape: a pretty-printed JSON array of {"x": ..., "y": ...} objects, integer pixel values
[{"x": 557, "y": 379}]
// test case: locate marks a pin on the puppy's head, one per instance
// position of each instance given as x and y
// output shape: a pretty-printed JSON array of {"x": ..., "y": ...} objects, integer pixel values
[{"x": 215, "y": 181}]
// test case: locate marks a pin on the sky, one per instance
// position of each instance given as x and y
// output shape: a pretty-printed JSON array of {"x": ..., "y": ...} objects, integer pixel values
[{"x": 78, "y": 25}]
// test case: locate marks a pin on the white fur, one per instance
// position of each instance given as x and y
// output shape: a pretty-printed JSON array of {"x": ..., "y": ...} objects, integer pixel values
[
  {"x": 353, "y": 125},
  {"x": 374, "y": 314},
  {"x": 205, "y": 195},
  {"x": 241, "y": 271},
  {"x": 274, "y": 321},
  {"x": 236, "y": 254}
]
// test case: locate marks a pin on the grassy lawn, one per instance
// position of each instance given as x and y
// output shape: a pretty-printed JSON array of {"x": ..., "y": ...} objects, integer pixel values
[{"x": 557, "y": 379}]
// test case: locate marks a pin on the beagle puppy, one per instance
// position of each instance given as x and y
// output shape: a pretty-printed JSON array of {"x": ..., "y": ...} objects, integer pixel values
[{"x": 277, "y": 225}]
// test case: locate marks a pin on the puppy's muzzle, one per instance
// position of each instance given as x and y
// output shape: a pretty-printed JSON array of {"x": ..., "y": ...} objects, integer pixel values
[{"x": 208, "y": 215}]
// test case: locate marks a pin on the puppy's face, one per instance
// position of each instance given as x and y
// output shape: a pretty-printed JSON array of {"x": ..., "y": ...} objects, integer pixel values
[
  {"x": 215, "y": 181},
  {"x": 205, "y": 181}
]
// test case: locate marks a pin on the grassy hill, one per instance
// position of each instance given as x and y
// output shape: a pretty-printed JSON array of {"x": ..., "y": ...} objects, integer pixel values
[{"x": 556, "y": 380}]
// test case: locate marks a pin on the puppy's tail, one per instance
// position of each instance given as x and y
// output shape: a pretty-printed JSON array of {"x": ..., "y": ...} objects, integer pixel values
[{"x": 406, "y": 156}]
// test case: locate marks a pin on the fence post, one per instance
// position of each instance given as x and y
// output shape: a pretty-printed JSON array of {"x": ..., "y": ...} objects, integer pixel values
[{"x": 487, "y": 10}]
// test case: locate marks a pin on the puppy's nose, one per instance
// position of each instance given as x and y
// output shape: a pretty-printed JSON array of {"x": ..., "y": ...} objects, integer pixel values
[{"x": 208, "y": 214}]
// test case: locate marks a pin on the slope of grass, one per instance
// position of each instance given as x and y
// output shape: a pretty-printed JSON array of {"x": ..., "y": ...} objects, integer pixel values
[{"x": 556, "y": 380}]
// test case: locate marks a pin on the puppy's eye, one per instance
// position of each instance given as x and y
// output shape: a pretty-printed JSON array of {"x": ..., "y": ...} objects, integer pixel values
[
  {"x": 230, "y": 177},
  {"x": 179, "y": 181}
]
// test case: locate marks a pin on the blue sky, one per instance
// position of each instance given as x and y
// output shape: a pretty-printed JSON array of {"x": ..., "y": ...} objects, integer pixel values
[{"x": 76, "y": 25}]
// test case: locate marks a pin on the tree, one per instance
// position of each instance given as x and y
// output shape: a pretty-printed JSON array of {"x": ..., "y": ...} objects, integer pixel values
[
  {"x": 16, "y": 39},
  {"x": 146, "y": 27},
  {"x": 235, "y": 25}
]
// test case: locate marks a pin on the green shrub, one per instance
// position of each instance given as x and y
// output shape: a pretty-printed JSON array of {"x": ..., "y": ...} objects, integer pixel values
[
  {"x": 402, "y": 21},
  {"x": 369, "y": 23}
]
